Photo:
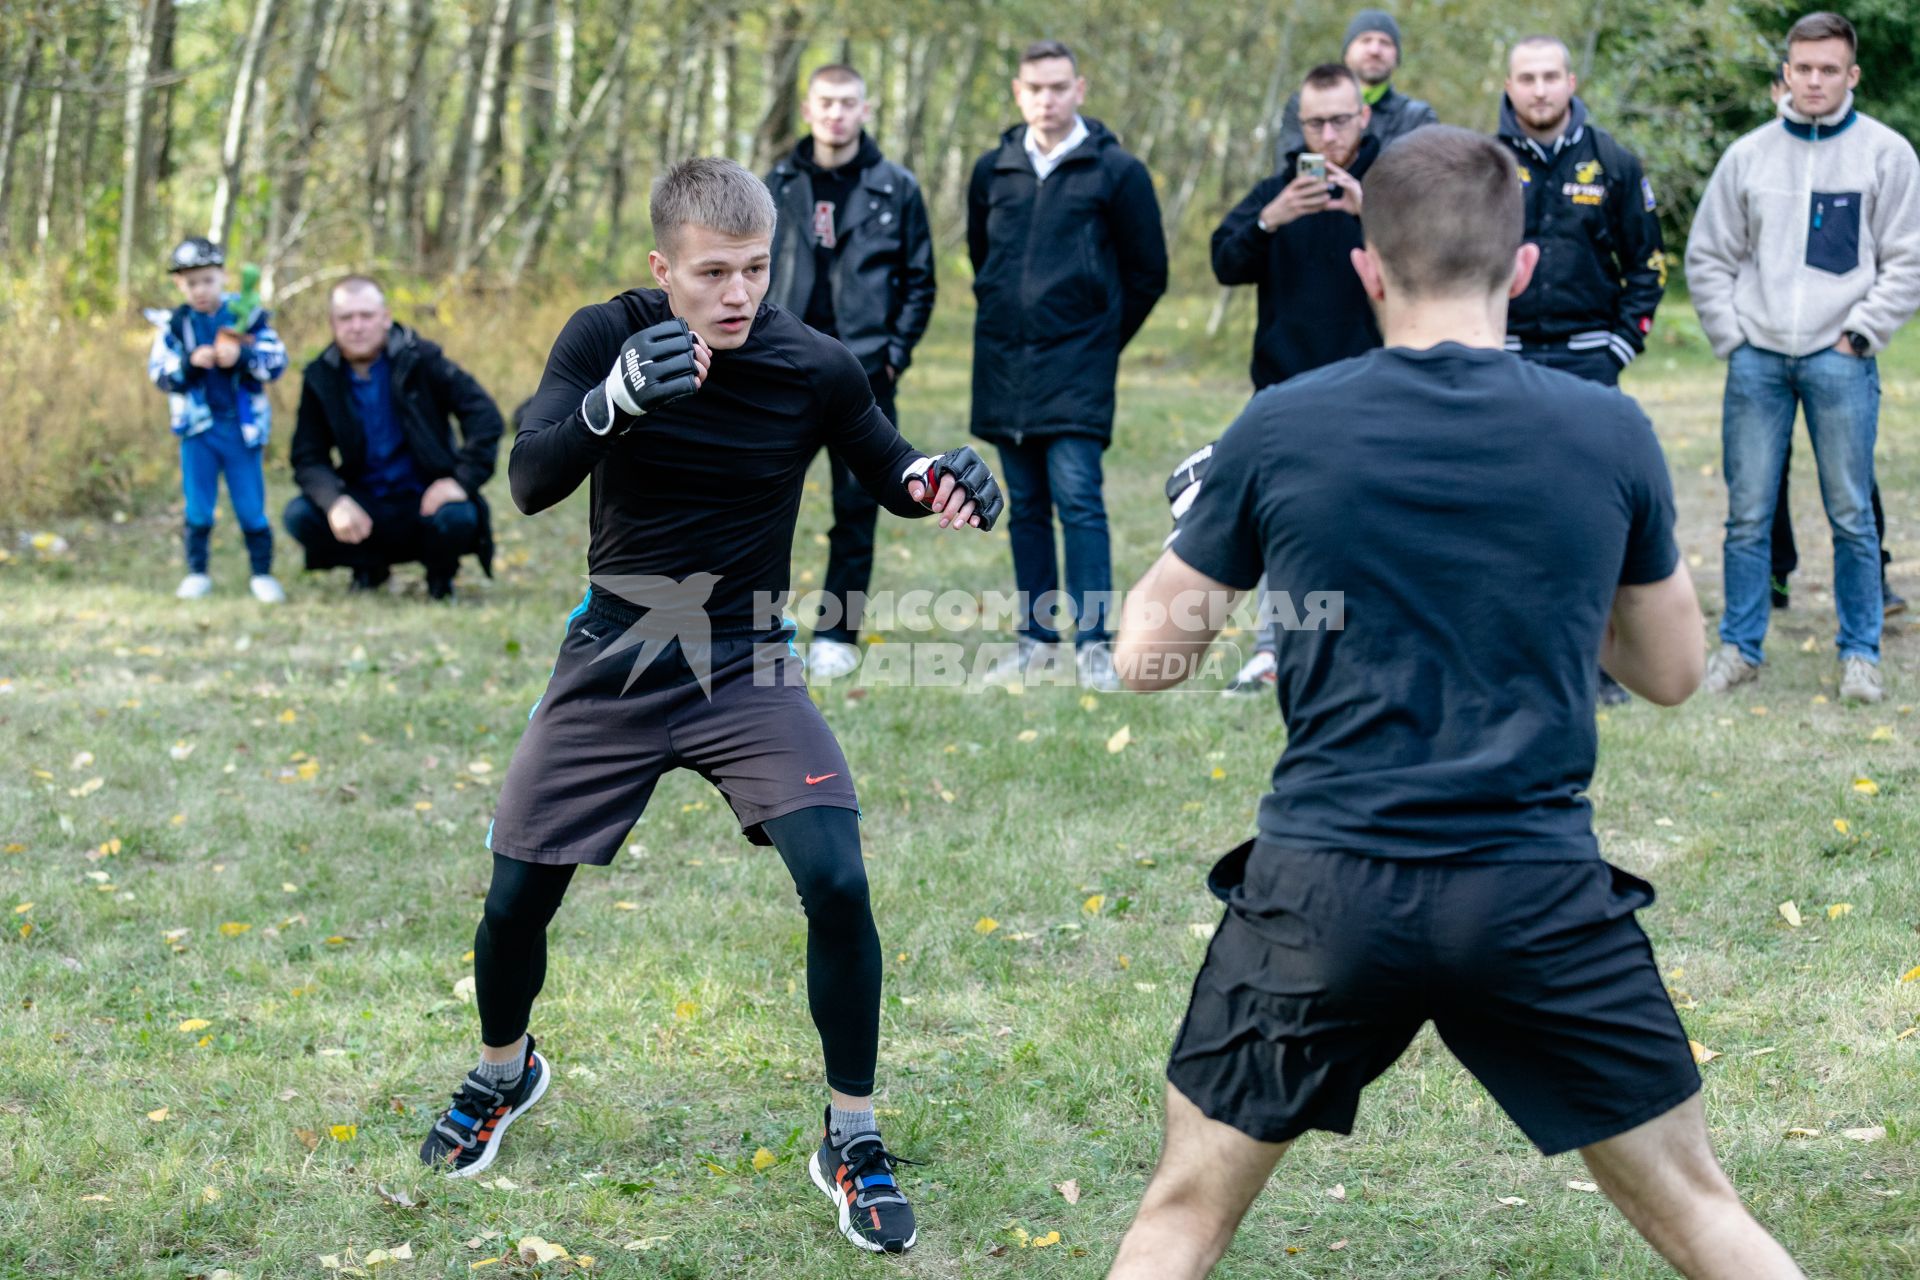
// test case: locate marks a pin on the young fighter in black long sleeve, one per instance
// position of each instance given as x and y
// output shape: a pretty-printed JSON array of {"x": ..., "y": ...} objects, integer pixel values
[{"x": 694, "y": 410}]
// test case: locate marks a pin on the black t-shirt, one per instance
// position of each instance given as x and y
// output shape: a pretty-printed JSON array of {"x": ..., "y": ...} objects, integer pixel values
[
  {"x": 712, "y": 482},
  {"x": 832, "y": 191},
  {"x": 1477, "y": 513}
]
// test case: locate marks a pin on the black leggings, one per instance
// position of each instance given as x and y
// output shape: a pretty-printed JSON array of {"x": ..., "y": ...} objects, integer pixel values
[{"x": 821, "y": 848}]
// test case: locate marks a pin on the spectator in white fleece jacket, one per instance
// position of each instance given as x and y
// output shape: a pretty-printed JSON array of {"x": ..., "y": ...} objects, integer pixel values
[{"x": 1804, "y": 259}]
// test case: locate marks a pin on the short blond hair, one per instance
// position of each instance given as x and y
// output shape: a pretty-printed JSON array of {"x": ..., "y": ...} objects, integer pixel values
[{"x": 712, "y": 192}]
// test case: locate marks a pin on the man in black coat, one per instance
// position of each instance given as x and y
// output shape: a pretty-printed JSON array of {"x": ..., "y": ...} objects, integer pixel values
[
  {"x": 1294, "y": 235},
  {"x": 1068, "y": 256},
  {"x": 853, "y": 258},
  {"x": 381, "y": 480},
  {"x": 1371, "y": 51}
]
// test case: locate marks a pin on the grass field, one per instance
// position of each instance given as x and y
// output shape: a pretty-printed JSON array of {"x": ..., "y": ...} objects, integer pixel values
[{"x": 242, "y": 864}]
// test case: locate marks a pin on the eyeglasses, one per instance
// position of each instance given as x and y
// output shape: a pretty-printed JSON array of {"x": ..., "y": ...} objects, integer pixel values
[{"x": 1329, "y": 124}]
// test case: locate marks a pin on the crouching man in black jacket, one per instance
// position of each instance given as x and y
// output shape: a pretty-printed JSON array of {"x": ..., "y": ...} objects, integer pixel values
[
  {"x": 379, "y": 398},
  {"x": 853, "y": 258},
  {"x": 1068, "y": 258}
]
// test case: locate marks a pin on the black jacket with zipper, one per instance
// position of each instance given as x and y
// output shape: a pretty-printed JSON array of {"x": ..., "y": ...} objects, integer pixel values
[
  {"x": 1603, "y": 264},
  {"x": 882, "y": 278},
  {"x": 428, "y": 388},
  {"x": 1313, "y": 310},
  {"x": 1065, "y": 273}
]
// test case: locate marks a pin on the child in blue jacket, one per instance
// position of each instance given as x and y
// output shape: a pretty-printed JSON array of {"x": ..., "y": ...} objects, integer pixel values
[{"x": 214, "y": 366}]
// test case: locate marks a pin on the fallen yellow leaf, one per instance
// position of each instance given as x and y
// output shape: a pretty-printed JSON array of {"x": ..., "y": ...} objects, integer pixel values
[
  {"x": 1866, "y": 786},
  {"x": 344, "y": 1132},
  {"x": 534, "y": 1249},
  {"x": 233, "y": 929},
  {"x": 158, "y": 1115},
  {"x": 86, "y": 788},
  {"x": 1069, "y": 1190},
  {"x": 1840, "y": 825},
  {"x": 307, "y": 770},
  {"x": 96, "y": 1199},
  {"x": 210, "y": 1195},
  {"x": 1911, "y": 975},
  {"x": 1118, "y": 742},
  {"x": 1027, "y": 735},
  {"x": 763, "y": 1160},
  {"x": 289, "y": 716},
  {"x": 626, "y": 906},
  {"x": 1881, "y": 733},
  {"x": 1838, "y": 909},
  {"x": 1218, "y": 773},
  {"x": 194, "y": 1024},
  {"x": 1046, "y": 1241},
  {"x": 23, "y": 908},
  {"x": 1904, "y": 1034},
  {"x": 81, "y": 761},
  {"x": 1790, "y": 913},
  {"x": 1093, "y": 904},
  {"x": 685, "y": 1009},
  {"x": 985, "y": 925},
  {"x": 1088, "y": 702},
  {"x": 1701, "y": 1054}
]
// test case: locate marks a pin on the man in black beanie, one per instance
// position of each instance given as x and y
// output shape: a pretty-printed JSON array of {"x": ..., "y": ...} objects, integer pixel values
[{"x": 1371, "y": 51}]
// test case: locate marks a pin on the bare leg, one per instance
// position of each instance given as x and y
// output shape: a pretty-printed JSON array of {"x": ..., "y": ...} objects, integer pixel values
[
  {"x": 1208, "y": 1175},
  {"x": 1663, "y": 1176}
]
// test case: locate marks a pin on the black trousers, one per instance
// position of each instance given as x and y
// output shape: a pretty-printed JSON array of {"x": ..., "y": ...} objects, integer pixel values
[
  {"x": 850, "y": 540},
  {"x": 1786, "y": 556},
  {"x": 400, "y": 534}
]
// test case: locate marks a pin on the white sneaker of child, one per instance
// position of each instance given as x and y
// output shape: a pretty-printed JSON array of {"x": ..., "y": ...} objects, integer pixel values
[
  {"x": 194, "y": 586},
  {"x": 266, "y": 589}
]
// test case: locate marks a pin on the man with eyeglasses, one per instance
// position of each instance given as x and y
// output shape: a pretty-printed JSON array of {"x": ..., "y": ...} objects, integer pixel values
[
  {"x": 1293, "y": 238},
  {"x": 1371, "y": 51}
]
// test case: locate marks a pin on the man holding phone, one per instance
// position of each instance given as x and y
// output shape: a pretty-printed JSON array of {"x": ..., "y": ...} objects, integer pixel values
[{"x": 1293, "y": 238}]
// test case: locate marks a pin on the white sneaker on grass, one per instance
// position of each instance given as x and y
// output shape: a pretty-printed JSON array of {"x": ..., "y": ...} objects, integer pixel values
[
  {"x": 1860, "y": 680},
  {"x": 1727, "y": 668},
  {"x": 831, "y": 659},
  {"x": 195, "y": 586},
  {"x": 1095, "y": 663},
  {"x": 1260, "y": 674},
  {"x": 266, "y": 589}
]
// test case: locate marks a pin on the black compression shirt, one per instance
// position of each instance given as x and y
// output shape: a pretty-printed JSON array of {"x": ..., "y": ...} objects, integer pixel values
[{"x": 712, "y": 482}]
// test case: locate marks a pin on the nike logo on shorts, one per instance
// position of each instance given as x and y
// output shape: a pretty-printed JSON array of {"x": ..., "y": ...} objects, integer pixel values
[{"x": 814, "y": 782}]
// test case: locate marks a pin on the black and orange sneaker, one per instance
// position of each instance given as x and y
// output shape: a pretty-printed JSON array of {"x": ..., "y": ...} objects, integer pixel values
[
  {"x": 466, "y": 1137},
  {"x": 858, "y": 1178}
]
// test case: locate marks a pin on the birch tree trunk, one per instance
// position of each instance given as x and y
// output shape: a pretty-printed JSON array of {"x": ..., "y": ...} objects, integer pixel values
[
  {"x": 141, "y": 25},
  {"x": 477, "y": 140},
  {"x": 221, "y": 223},
  {"x": 555, "y": 183},
  {"x": 785, "y": 44},
  {"x": 10, "y": 132},
  {"x": 289, "y": 204},
  {"x": 50, "y": 153}
]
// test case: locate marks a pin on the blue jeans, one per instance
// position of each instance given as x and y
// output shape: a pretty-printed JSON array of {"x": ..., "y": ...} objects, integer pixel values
[
  {"x": 1038, "y": 477},
  {"x": 1841, "y": 396},
  {"x": 204, "y": 458}
]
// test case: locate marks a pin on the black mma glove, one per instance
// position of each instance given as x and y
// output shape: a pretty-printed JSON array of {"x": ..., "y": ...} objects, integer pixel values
[
  {"x": 655, "y": 368},
  {"x": 1183, "y": 486},
  {"x": 970, "y": 474}
]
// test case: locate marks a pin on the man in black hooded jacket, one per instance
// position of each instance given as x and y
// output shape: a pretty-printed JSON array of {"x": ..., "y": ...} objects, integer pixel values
[
  {"x": 1068, "y": 256},
  {"x": 1371, "y": 50}
]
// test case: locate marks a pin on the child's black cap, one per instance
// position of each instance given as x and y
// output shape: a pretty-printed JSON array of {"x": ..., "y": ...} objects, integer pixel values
[{"x": 193, "y": 252}]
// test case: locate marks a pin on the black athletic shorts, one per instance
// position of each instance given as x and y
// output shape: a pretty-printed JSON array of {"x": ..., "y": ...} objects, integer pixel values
[
  {"x": 1535, "y": 974},
  {"x": 594, "y": 748}
]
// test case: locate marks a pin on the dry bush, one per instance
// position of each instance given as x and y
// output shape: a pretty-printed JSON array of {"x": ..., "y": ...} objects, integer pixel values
[{"x": 82, "y": 431}]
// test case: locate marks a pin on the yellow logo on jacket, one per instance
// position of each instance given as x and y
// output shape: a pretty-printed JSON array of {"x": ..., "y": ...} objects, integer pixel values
[{"x": 1588, "y": 172}]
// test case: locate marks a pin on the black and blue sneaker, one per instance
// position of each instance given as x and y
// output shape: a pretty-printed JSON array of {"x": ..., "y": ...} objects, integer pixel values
[
  {"x": 466, "y": 1136},
  {"x": 858, "y": 1177}
]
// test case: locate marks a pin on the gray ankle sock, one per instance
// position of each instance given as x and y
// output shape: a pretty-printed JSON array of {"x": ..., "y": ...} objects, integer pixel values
[
  {"x": 842, "y": 1124},
  {"x": 503, "y": 1075}
]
